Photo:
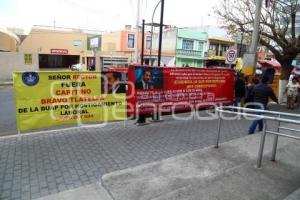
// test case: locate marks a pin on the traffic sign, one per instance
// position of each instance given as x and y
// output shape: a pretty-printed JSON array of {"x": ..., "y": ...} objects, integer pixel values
[{"x": 231, "y": 56}]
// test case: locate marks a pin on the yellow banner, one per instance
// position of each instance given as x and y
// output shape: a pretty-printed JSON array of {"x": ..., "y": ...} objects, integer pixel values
[{"x": 45, "y": 99}]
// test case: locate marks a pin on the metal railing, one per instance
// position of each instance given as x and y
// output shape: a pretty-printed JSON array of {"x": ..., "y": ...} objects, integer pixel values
[
  {"x": 191, "y": 53},
  {"x": 264, "y": 115}
]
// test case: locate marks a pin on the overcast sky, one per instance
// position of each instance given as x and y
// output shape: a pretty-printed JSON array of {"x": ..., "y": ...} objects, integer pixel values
[{"x": 102, "y": 14}]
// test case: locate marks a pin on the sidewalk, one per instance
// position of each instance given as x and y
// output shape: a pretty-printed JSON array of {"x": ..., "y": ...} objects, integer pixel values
[
  {"x": 225, "y": 173},
  {"x": 43, "y": 164}
]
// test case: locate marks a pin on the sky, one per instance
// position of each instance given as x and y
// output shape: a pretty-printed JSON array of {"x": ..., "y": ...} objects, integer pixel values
[{"x": 104, "y": 15}]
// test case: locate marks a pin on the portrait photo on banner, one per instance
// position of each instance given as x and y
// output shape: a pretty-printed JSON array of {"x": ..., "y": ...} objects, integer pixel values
[
  {"x": 113, "y": 82},
  {"x": 148, "y": 78}
]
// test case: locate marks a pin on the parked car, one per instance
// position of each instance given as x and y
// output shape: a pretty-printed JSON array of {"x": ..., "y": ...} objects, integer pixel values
[{"x": 77, "y": 67}]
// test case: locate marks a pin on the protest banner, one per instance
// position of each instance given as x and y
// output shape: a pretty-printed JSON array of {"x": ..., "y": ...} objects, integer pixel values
[
  {"x": 46, "y": 99},
  {"x": 165, "y": 89}
]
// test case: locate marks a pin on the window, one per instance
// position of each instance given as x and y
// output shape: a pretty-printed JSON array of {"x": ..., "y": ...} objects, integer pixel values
[
  {"x": 213, "y": 47},
  {"x": 225, "y": 48},
  {"x": 28, "y": 59},
  {"x": 148, "y": 42},
  {"x": 187, "y": 44},
  {"x": 113, "y": 61},
  {"x": 200, "y": 47},
  {"x": 130, "y": 40}
]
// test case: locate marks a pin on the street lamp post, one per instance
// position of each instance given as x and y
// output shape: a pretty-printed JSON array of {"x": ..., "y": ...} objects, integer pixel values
[
  {"x": 161, "y": 29},
  {"x": 143, "y": 42},
  {"x": 152, "y": 30}
]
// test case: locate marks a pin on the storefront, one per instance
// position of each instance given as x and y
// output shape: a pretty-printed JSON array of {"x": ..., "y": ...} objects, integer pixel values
[
  {"x": 58, "y": 58},
  {"x": 57, "y": 49}
]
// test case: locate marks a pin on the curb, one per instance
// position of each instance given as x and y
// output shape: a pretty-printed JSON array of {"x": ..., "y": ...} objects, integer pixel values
[{"x": 6, "y": 83}]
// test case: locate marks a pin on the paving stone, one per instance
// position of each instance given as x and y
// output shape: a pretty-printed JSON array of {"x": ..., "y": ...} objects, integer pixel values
[
  {"x": 7, "y": 185},
  {"x": 35, "y": 195},
  {"x": 16, "y": 194},
  {"x": 25, "y": 196},
  {"x": 52, "y": 162},
  {"x": 5, "y": 193}
]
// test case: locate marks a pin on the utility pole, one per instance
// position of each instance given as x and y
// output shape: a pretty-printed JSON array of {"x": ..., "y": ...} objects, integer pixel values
[
  {"x": 250, "y": 58},
  {"x": 156, "y": 116},
  {"x": 143, "y": 42},
  {"x": 161, "y": 30},
  {"x": 241, "y": 47},
  {"x": 152, "y": 31},
  {"x": 138, "y": 16}
]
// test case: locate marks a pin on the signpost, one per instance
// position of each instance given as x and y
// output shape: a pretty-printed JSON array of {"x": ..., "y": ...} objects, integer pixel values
[
  {"x": 94, "y": 44},
  {"x": 231, "y": 56}
]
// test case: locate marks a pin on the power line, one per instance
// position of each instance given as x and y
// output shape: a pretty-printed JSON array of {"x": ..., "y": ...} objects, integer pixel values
[
  {"x": 73, "y": 4},
  {"x": 132, "y": 9}
]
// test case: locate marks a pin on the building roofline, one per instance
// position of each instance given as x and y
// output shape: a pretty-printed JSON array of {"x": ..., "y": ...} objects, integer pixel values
[{"x": 10, "y": 34}]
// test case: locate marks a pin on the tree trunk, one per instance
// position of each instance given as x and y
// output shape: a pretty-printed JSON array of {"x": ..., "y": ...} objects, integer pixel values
[{"x": 286, "y": 69}]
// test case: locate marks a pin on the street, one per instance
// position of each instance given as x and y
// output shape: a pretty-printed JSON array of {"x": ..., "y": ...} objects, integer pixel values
[{"x": 7, "y": 116}]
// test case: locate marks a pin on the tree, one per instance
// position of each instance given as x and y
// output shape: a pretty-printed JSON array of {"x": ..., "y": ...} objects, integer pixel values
[{"x": 277, "y": 27}]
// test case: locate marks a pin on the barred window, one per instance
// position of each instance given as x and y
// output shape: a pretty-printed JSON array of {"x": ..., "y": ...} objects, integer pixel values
[{"x": 187, "y": 44}]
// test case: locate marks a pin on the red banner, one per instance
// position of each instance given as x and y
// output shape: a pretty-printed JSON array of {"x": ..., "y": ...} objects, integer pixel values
[{"x": 165, "y": 89}]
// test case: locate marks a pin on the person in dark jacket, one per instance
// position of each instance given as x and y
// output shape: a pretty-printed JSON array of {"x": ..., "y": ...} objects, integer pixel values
[
  {"x": 262, "y": 93},
  {"x": 240, "y": 90},
  {"x": 249, "y": 97}
]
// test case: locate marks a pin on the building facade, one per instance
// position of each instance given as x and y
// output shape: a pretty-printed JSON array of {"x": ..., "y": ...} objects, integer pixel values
[
  {"x": 182, "y": 47},
  {"x": 217, "y": 50},
  {"x": 190, "y": 48},
  {"x": 57, "y": 49},
  {"x": 120, "y": 48}
]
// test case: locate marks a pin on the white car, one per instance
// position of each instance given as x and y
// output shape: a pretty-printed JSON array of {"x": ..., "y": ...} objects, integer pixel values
[{"x": 77, "y": 67}]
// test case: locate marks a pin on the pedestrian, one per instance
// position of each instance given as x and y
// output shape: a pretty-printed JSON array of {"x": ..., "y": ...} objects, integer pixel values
[
  {"x": 239, "y": 90},
  {"x": 262, "y": 93},
  {"x": 291, "y": 92},
  {"x": 249, "y": 97},
  {"x": 298, "y": 96}
]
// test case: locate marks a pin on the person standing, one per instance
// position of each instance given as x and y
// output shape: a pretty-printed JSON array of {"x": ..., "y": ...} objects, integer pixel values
[
  {"x": 262, "y": 93},
  {"x": 240, "y": 90},
  {"x": 249, "y": 97},
  {"x": 291, "y": 91}
]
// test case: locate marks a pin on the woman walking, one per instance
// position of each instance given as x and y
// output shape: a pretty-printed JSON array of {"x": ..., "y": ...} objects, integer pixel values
[{"x": 291, "y": 91}]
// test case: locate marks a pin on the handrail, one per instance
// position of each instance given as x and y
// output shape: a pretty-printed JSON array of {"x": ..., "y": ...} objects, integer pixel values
[
  {"x": 262, "y": 111},
  {"x": 260, "y": 116},
  {"x": 279, "y": 119}
]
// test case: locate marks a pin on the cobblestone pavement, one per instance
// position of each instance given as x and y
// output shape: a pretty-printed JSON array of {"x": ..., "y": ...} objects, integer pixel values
[{"x": 38, "y": 165}]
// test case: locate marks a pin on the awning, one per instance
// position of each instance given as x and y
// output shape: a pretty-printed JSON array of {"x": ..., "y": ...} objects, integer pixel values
[{"x": 270, "y": 64}]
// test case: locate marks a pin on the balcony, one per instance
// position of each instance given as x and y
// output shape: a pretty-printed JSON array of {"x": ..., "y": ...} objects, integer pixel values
[
  {"x": 189, "y": 53},
  {"x": 212, "y": 53}
]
